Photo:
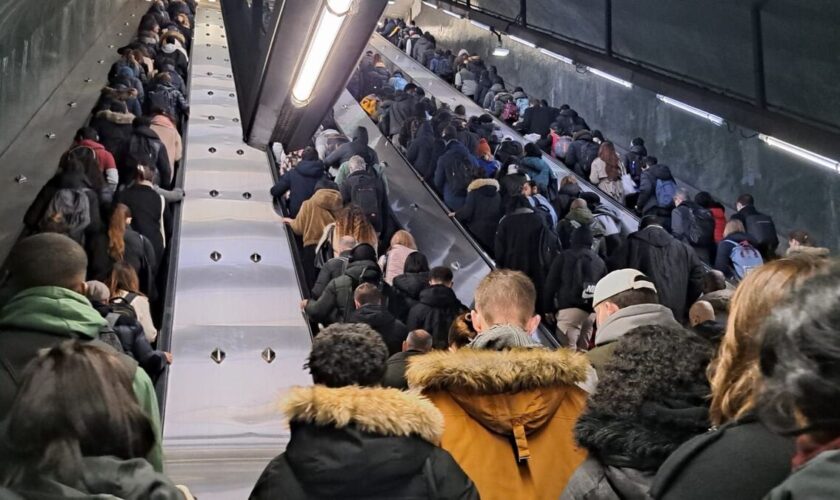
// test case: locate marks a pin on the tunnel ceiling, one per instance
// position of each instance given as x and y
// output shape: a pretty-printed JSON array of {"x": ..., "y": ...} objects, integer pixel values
[{"x": 712, "y": 43}]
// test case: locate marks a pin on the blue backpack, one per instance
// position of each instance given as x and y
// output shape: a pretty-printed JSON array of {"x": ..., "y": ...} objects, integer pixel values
[
  {"x": 522, "y": 103},
  {"x": 744, "y": 258},
  {"x": 665, "y": 191}
]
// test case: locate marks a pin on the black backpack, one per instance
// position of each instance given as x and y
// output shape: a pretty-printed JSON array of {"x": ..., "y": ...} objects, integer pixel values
[
  {"x": 365, "y": 194},
  {"x": 701, "y": 227},
  {"x": 761, "y": 228},
  {"x": 121, "y": 306},
  {"x": 459, "y": 175},
  {"x": 549, "y": 247},
  {"x": 587, "y": 156}
]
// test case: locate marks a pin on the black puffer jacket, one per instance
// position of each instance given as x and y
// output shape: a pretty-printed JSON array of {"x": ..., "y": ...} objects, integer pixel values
[
  {"x": 671, "y": 264},
  {"x": 482, "y": 211},
  {"x": 393, "y": 331},
  {"x": 424, "y": 151},
  {"x": 405, "y": 293},
  {"x": 374, "y": 453},
  {"x": 437, "y": 309}
]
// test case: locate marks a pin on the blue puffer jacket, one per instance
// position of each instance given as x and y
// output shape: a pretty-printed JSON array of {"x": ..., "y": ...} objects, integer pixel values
[{"x": 454, "y": 156}]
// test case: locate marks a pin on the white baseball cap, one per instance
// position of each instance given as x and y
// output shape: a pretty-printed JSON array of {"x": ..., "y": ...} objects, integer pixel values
[{"x": 621, "y": 281}]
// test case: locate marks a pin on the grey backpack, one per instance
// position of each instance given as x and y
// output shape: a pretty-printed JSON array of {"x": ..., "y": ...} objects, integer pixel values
[{"x": 68, "y": 211}]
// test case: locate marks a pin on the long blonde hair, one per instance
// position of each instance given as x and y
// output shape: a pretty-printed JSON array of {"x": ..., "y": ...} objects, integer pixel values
[
  {"x": 735, "y": 372},
  {"x": 404, "y": 238}
]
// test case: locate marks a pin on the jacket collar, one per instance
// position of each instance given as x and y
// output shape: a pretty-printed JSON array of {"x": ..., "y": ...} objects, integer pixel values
[
  {"x": 631, "y": 317},
  {"x": 480, "y": 183},
  {"x": 52, "y": 310},
  {"x": 118, "y": 118},
  {"x": 387, "y": 412},
  {"x": 493, "y": 372}
]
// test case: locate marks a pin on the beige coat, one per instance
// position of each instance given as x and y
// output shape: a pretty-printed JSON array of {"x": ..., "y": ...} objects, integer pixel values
[
  {"x": 315, "y": 214},
  {"x": 169, "y": 136}
]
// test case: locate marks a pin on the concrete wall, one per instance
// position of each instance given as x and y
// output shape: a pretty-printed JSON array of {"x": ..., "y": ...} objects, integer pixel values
[
  {"x": 40, "y": 42},
  {"x": 725, "y": 161}
]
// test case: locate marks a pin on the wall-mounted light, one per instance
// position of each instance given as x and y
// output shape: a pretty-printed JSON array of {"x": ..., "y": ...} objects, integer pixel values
[
  {"x": 332, "y": 17},
  {"x": 821, "y": 160},
  {"x": 480, "y": 25},
  {"x": 522, "y": 41},
  {"x": 614, "y": 79},
  {"x": 691, "y": 109},
  {"x": 500, "y": 51},
  {"x": 430, "y": 4},
  {"x": 556, "y": 56},
  {"x": 453, "y": 14}
]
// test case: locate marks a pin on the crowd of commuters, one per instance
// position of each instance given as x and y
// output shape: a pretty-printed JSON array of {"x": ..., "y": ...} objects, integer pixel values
[
  {"x": 669, "y": 385},
  {"x": 83, "y": 303}
]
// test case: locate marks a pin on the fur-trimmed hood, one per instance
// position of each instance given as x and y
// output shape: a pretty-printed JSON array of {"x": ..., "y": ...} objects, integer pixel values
[
  {"x": 118, "y": 118},
  {"x": 174, "y": 34},
  {"x": 808, "y": 251},
  {"x": 386, "y": 412},
  {"x": 119, "y": 94},
  {"x": 480, "y": 183},
  {"x": 496, "y": 372}
]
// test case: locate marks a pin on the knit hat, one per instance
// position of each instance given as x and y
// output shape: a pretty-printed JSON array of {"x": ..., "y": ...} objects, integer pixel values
[
  {"x": 501, "y": 337},
  {"x": 483, "y": 148},
  {"x": 620, "y": 281}
]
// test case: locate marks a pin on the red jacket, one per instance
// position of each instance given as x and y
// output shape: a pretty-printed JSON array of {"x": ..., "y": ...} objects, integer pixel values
[
  {"x": 103, "y": 156},
  {"x": 720, "y": 222}
]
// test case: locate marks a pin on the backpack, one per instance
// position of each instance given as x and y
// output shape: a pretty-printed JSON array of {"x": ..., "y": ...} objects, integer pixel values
[
  {"x": 635, "y": 166},
  {"x": 509, "y": 112},
  {"x": 587, "y": 156},
  {"x": 744, "y": 258},
  {"x": 459, "y": 176},
  {"x": 144, "y": 151},
  {"x": 365, "y": 194},
  {"x": 701, "y": 227},
  {"x": 665, "y": 191},
  {"x": 443, "y": 67},
  {"x": 522, "y": 103},
  {"x": 121, "y": 306},
  {"x": 761, "y": 228},
  {"x": 597, "y": 233},
  {"x": 70, "y": 210},
  {"x": 561, "y": 146},
  {"x": 549, "y": 247},
  {"x": 400, "y": 83}
]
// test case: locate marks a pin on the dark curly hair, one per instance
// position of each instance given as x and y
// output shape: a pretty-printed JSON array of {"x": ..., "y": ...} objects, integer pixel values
[
  {"x": 347, "y": 354},
  {"x": 651, "y": 397},
  {"x": 800, "y": 360}
]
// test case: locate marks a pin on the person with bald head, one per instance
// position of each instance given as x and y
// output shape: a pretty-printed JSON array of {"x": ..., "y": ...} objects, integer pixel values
[
  {"x": 418, "y": 342},
  {"x": 47, "y": 272}
]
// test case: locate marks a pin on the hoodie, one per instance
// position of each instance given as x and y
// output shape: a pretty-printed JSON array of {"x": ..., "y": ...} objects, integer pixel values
[
  {"x": 437, "y": 308},
  {"x": 41, "y": 317},
  {"x": 392, "y": 330}
]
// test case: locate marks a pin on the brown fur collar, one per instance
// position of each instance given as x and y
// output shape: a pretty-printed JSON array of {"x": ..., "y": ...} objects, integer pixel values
[
  {"x": 174, "y": 34},
  {"x": 118, "y": 118},
  {"x": 480, "y": 183},
  {"x": 491, "y": 372},
  {"x": 119, "y": 94},
  {"x": 388, "y": 412}
]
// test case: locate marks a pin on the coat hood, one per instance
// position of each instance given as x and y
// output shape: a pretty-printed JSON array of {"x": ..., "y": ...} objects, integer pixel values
[
  {"x": 572, "y": 190},
  {"x": 439, "y": 297},
  {"x": 518, "y": 94},
  {"x": 361, "y": 135},
  {"x": 411, "y": 284},
  {"x": 122, "y": 94},
  {"x": 363, "y": 269},
  {"x": 425, "y": 131},
  {"x": 484, "y": 183},
  {"x": 88, "y": 143},
  {"x": 653, "y": 235},
  {"x": 631, "y": 317},
  {"x": 660, "y": 171},
  {"x": 53, "y": 310},
  {"x": 568, "y": 113},
  {"x": 328, "y": 199},
  {"x": 512, "y": 392},
  {"x": 809, "y": 251},
  {"x": 374, "y": 315},
  {"x": 582, "y": 215},
  {"x": 368, "y": 435},
  {"x": 163, "y": 121},
  {"x": 118, "y": 118},
  {"x": 310, "y": 168},
  {"x": 583, "y": 135},
  {"x": 497, "y": 87},
  {"x": 146, "y": 132},
  {"x": 639, "y": 150}
]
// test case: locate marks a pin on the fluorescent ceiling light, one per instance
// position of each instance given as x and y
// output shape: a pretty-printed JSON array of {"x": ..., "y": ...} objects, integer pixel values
[
  {"x": 453, "y": 14},
  {"x": 802, "y": 153},
  {"x": 480, "y": 25},
  {"x": 523, "y": 42},
  {"x": 611, "y": 78},
  {"x": 501, "y": 52},
  {"x": 691, "y": 109},
  {"x": 329, "y": 24},
  {"x": 391, "y": 2},
  {"x": 430, "y": 4},
  {"x": 556, "y": 56}
]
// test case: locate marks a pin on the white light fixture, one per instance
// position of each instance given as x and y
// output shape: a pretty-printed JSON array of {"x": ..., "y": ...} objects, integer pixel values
[
  {"x": 329, "y": 24},
  {"x": 430, "y": 4},
  {"x": 480, "y": 25},
  {"x": 391, "y": 2},
  {"x": 614, "y": 79},
  {"x": 501, "y": 51},
  {"x": 453, "y": 14},
  {"x": 802, "y": 153},
  {"x": 523, "y": 42},
  {"x": 691, "y": 109},
  {"x": 556, "y": 56}
]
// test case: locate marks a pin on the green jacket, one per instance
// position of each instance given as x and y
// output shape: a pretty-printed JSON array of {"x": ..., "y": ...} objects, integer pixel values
[{"x": 42, "y": 317}]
